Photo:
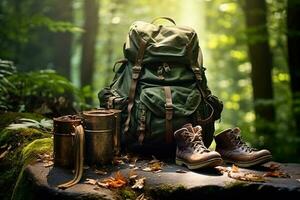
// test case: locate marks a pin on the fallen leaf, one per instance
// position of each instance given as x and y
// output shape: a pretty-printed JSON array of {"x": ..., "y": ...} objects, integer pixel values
[
  {"x": 153, "y": 161},
  {"x": 147, "y": 169},
  {"x": 277, "y": 174},
  {"x": 134, "y": 160},
  {"x": 100, "y": 172},
  {"x": 139, "y": 183},
  {"x": 181, "y": 171},
  {"x": 141, "y": 197},
  {"x": 4, "y": 146},
  {"x": 114, "y": 182},
  {"x": 234, "y": 169},
  {"x": 120, "y": 176},
  {"x": 105, "y": 185},
  {"x": 274, "y": 166},
  {"x": 3, "y": 154},
  {"x": 156, "y": 166},
  {"x": 90, "y": 181},
  {"x": 222, "y": 169},
  {"x": 131, "y": 165},
  {"x": 132, "y": 174},
  {"x": 157, "y": 171},
  {"x": 248, "y": 176},
  {"x": 48, "y": 164},
  {"x": 118, "y": 162}
]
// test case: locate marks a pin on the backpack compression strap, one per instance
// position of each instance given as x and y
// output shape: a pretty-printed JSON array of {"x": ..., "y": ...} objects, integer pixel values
[
  {"x": 169, "y": 114},
  {"x": 136, "y": 70}
]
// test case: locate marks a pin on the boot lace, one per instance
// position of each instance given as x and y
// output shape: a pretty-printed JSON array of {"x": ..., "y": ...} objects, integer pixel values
[
  {"x": 195, "y": 141},
  {"x": 237, "y": 139}
]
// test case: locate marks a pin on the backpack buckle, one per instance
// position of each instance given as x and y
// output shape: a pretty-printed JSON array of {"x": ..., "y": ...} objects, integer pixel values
[
  {"x": 197, "y": 73},
  {"x": 169, "y": 111},
  {"x": 136, "y": 71}
]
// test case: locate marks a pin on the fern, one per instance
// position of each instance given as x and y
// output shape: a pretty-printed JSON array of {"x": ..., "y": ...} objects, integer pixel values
[{"x": 7, "y": 69}]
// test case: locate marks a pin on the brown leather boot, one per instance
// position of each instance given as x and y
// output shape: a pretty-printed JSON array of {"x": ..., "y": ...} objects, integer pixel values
[
  {"x": 191, "y": 151},
  {"x": 234, "y": 150}
]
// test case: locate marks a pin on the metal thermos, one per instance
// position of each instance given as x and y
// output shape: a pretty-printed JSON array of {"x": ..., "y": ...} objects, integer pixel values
[
  {"x": 101, "y": 136},
  {"x": 64, "y": 149}
]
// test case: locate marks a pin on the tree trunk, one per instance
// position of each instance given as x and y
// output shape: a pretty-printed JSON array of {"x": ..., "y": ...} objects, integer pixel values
[
  {"x": 261, "y": 61},
  {"x": 293, "y": 40},
  {"x": 63, "y": 40},
  {"x": 91, "y": 8}
]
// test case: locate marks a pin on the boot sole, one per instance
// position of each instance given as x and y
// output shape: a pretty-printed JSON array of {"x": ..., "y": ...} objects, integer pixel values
[
  {"x": 208, "y": 163},
  {"x": 258, "y": 161}
]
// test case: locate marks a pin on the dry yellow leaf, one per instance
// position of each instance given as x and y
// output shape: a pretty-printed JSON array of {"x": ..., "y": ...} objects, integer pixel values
[
  {"x": 90, "y": 181},
  {"x": 234, "y": 169},
  {"x": 139, "y": 183}
]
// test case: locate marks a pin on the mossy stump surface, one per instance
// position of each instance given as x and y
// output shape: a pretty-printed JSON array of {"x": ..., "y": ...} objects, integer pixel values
[{"x": 41, "y": 183}]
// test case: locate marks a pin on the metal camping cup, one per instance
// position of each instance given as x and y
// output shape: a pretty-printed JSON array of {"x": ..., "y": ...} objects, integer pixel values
[
  {"x": 64, "y": 147},
  {"x": 100, "y": 130}
]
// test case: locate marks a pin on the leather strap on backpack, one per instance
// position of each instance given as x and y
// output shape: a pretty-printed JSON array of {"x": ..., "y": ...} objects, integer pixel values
[
  {"x": 136, "y": 70},
  {"x": 169, "y": 114},
  {"x": 204, "y": 98},
  {"x": 197, "y": 69}
]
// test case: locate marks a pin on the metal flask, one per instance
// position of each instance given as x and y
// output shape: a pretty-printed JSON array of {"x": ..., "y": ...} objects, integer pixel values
[
  {"x": 100, "y": 130},
  {"x": 64, "y": 147}
]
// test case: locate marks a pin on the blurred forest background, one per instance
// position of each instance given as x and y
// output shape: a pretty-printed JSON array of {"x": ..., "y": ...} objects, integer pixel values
[{"x": 63, "y": 52}]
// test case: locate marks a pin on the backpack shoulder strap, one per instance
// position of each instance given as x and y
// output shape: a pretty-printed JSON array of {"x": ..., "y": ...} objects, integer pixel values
[
  {"x": 136, "y": 70},
  {"x": 201, "y": 82}
]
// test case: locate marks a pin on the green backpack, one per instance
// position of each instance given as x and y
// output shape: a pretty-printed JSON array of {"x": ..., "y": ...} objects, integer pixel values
[{"x": 160, "y": 86}]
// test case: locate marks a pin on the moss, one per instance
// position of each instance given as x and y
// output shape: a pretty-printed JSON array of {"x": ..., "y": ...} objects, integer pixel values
[
  {"x": 39, "y": 146},
  {"x": 16, "y": 137},
  {"x": 166, "y": 191},
  {"x": 9, "y": 117},
  {"x": 234, "y": 184},
  {"x": 28, "y": 155},
  {"x": 127, "y": 193},
  {"x": 13, "y": 162}
]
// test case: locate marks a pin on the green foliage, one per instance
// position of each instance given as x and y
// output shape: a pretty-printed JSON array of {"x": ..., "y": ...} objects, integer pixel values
[
  {"x": 44, "y": 124},
  {"x": 10, "y": 117},
  {"x": 7, "y": 69},
  {"x": 21, "y": 22},
  {"x": 42, "y": 92},
  {"x": 53, "y": 25}
]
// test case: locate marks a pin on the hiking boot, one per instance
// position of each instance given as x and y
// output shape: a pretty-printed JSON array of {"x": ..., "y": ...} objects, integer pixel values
[
  {"x": 191, "y": 151},
  {"x": 234, "y": 150}
]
